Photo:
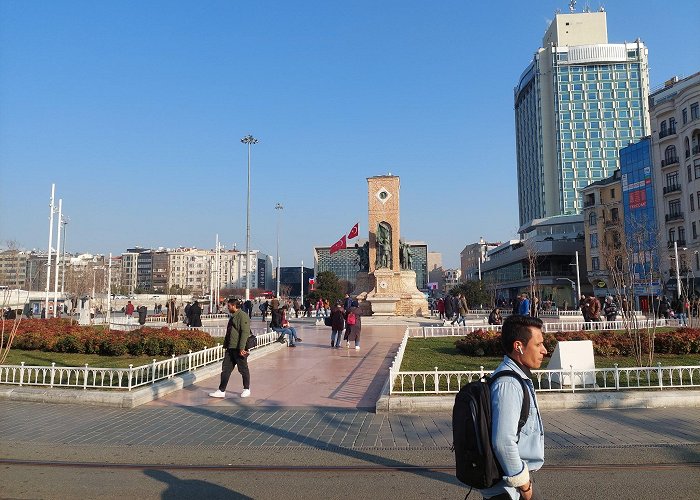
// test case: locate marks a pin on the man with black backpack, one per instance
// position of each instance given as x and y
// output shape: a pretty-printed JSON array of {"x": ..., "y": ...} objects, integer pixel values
[{"x": 499, "y": 463}]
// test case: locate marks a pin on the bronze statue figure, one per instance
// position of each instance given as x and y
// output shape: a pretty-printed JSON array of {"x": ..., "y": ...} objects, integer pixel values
[{"x": 383, "y": 245}]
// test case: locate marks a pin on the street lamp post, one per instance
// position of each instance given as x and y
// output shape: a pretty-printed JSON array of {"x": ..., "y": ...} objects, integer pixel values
[
  {"x": 249, "y": 140},
  {"x": 58, "y": 248},
  {"x": 64, "y": 220},
  {"x": 573, "y": 285},
  {"x": 678, "y": 273},
  {"x": 278, "y": 209},
  {"x": 578, "y": 280}
]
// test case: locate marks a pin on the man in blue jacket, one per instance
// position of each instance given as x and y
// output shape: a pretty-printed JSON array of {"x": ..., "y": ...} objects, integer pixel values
[
  {"x": 524, "y": 308},
  {"x": 519, "y": 455}
]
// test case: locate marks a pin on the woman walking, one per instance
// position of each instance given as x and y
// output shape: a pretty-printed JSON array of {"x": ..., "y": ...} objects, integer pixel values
[{"x": 354, "y": 326}]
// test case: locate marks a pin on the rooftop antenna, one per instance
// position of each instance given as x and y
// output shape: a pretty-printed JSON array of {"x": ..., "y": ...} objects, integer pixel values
[{"x": 572, "y": 6}]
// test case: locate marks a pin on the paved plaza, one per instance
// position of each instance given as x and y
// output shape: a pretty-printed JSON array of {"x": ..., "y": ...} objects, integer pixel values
[{"x": 310, "y": 418}]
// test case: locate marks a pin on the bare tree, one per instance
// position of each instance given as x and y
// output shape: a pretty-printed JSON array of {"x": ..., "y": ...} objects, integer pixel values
[
  {"x": 630, "y": 262},
  {"x": 532, "y": 261}
]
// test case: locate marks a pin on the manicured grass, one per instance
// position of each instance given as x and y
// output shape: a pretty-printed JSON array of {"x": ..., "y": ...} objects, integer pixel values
[
  {"x": 425, "y": 354},
  {"x": 41, "y": 358}
]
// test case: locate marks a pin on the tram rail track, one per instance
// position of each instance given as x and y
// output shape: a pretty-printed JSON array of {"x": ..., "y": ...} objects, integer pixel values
[{"x": 328, "y": 468}]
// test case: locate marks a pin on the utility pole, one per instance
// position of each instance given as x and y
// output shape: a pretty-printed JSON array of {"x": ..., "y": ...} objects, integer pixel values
[{"x": 58, "y": 247}]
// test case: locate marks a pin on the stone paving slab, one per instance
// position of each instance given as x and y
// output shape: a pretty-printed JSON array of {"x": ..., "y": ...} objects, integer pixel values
[{"x": 320, "y": 428}]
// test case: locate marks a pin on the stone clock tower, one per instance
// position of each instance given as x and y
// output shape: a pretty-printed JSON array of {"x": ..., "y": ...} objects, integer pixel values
[{"x": 389, "y": 278}]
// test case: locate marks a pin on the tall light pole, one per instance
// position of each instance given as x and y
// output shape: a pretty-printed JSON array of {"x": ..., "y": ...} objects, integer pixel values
[
  {"x": 302, "y": 283},
  {"x": 278, "y": 209},
  {"x": 48, "y": 264},
  {"x": 678, "y": 273},
  {"x": 64, "y": 220},
  {"x": 58, "y": 248},
  {"x": 249, "y": 140},
  {"x": 578, "y": 280}
]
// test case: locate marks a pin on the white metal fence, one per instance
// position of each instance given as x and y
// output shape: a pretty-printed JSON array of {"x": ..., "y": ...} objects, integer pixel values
[
  {"x": 558, "y": 326},
  {"x": 598, "y": 379},
  {"x": 87, "y": 377}
]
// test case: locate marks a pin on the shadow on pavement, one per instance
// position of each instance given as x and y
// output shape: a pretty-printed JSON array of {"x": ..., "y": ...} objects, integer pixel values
[
  {"x": 322, "y": 445},
  {"x": 186, "y": 489}
]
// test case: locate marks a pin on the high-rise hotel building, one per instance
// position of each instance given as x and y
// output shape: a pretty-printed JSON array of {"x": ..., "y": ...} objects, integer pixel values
[{"x": 577, "y": 103}]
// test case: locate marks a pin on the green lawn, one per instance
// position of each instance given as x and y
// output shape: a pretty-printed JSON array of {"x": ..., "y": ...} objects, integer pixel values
[
  {"x": 425, "y": 354},
  {"x": 41, "y": 358}
]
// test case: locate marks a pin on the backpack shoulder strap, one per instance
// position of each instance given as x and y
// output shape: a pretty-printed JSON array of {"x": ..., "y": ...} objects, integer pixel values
[{"x": 525, "y": 409}]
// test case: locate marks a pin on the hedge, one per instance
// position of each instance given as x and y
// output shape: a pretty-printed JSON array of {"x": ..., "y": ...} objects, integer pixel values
[
  {"x": 59, "y": 335},
  {"x": 605, "y": 342}
]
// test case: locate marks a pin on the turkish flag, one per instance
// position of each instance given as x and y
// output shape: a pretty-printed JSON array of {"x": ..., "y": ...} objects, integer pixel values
[
  {"x": 338, "y": 245},
  {"x": 354, "y": 232}
]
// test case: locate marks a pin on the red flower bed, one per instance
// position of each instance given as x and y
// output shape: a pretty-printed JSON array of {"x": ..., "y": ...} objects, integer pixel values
[
  {"x": 59, "y": 335},
  {"x": 605, "y": 342}
]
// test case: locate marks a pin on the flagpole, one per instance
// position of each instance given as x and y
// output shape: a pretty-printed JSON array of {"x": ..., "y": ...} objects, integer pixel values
[{"x": 302, "y": 283}]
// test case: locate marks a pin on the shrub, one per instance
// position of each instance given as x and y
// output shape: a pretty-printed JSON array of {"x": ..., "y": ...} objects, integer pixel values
[
  {"x": 605, "y": 343},
  {"x": 70, "y": 343},
  {"x": 62, "y": 336}
]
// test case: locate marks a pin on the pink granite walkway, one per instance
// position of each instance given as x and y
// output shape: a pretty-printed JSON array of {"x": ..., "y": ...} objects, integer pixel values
[{"x": 309, "y": 375}]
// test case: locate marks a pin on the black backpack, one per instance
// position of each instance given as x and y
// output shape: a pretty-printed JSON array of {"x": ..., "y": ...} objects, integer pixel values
[{"x": 471, "y": 431}]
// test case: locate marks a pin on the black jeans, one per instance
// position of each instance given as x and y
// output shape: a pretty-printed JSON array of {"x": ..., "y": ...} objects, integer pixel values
[{"x": 233, "y": 358}]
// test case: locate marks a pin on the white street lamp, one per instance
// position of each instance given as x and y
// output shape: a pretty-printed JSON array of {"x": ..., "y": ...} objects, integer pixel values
[
  {"x": 279, "y": 209},
  {"x": 249, "y": 140},
  {"x": 48, "y": 264}
]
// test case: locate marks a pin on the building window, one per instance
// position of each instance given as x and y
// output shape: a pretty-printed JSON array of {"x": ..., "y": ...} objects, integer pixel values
[
  {"x": 674, "y": 207},
  {"x": 694, "y": 111},
  {"x": 595, "y": 263},
  {"x": 697, "y": 171},
  {"x": 685, "y": 116},
  {"x": 690, "y": 174},
  {"x": 671, "y": 125},
  {"x": 612, "y": 193},
  {"x": 614, "y": 214},
  {"x": 594, "y": 240},
  {"x": 681, "y": 235},
  {"x": 592, "y": 219},
  {"x": 672, "y": 180},
  {"x": 695, "y": 231},
  {"x": 664, "y": 129},
  {"x": 692, "y": 202},
  {"x": 670, "y": 155},
  {"x": 671, "y": 235}
]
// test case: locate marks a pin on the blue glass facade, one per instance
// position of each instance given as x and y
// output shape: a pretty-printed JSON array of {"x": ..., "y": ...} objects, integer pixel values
[
  {"x": 599, "y": 109},
  {"x": 639, "y": 209}
]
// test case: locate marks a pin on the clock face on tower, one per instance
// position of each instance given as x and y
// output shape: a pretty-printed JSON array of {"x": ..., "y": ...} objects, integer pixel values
[
  {"x": 383, "y": 284},
  {"x": 383, "y": 195}
]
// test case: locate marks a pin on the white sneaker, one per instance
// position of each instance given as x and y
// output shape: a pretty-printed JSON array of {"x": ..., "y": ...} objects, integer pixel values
[
  {"x": 217, "y": 394},
  {"x": 245, "y": 393},
  {"x": 357, "y": 347},
  {"x": 347, "y": 344}
]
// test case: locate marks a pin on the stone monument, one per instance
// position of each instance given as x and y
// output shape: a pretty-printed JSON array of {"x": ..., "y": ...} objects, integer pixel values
[{"x": 386, "y": 282}]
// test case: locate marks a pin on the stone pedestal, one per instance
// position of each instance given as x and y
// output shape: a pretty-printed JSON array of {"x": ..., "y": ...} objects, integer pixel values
[{"x": 395, "y": 294}]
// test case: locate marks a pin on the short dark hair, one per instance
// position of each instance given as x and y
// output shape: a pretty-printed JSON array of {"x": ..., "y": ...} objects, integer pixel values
[
  {"x": 235, "y": 302},
  {"x": 517, "y": 327}
]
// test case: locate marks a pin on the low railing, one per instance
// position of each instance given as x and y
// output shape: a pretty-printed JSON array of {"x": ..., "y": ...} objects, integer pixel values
[
  {"x": 558, "y": 326},
  {"x": 87, "y": 377},
  {"x": 598, "y": 379},
  {"x": 395, "y": 367}
]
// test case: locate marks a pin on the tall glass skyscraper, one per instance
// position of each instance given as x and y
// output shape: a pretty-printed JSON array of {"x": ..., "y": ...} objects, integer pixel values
[{"x": 577, "y": 103}]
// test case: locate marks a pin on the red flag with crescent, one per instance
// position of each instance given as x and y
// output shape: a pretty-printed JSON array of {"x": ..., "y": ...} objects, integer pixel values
[
  {"x": 354, "y": 232},
  {"x": 338, "y": 245}
]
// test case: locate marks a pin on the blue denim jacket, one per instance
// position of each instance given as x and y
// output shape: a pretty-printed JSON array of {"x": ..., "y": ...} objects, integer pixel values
[{"x": 517, "y": 457}]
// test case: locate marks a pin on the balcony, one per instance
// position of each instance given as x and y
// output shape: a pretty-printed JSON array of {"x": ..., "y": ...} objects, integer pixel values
[
  {"x": 612, "y": 222},
  {"x": 588, "y": 203},
  {"x": 670, "y": 161},
  {"x": 680, "y": 243},
  {"x": 674, "y": 216},
  {"x": 672, "y": 188},
  {"x": 667, "y": 132}
]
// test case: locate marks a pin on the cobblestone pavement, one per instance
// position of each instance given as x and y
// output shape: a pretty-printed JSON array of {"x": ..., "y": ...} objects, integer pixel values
[{"x": 320, "y": 428}]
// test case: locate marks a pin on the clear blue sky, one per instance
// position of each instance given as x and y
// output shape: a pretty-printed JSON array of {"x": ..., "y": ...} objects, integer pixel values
[{"x": 135, "y": 110}]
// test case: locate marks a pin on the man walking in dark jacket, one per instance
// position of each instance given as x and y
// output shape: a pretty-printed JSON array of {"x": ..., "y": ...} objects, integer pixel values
[{"x": 237, "y": 333}]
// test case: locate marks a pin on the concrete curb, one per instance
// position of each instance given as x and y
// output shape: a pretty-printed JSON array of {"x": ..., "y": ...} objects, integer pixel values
[
  {"x": 553, "y": 401},
  {"x": 122, "y": 398}
]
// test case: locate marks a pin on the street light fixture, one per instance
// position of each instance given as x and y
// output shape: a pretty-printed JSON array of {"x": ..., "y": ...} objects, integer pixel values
[
  {"x": 278, "y": 208},
  {"x": 249, "y": 140}
]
